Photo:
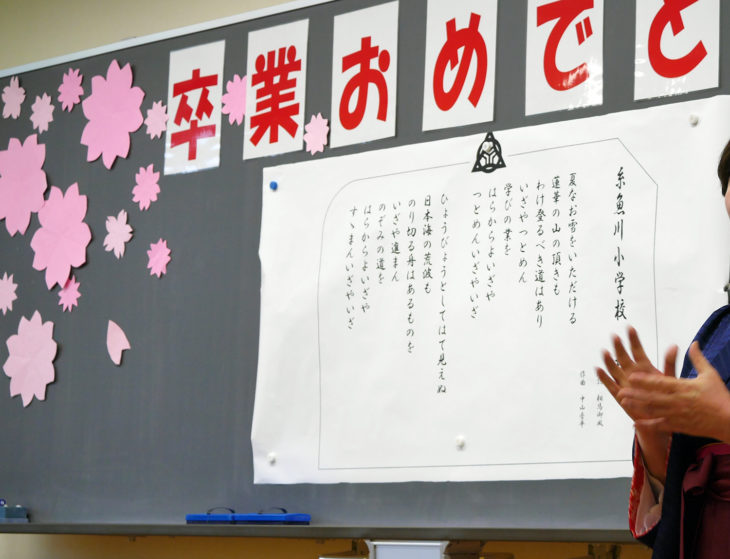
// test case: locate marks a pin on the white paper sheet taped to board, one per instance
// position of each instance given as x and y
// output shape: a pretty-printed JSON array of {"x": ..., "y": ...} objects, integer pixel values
[{"x": 423, "y": 319}]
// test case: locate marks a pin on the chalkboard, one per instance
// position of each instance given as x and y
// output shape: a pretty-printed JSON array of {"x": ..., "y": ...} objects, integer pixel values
[{"x": 168, "y": 432}]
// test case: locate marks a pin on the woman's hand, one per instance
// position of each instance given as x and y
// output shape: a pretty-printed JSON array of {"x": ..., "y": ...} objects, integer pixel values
[
  {"x": 624, "y": 366},
  {"x": 652, "y": 433},
  {"x": 699, "y": 406}
]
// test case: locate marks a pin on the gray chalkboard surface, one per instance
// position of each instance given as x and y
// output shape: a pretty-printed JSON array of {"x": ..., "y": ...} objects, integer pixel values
[{"x": 132, "y": 449}]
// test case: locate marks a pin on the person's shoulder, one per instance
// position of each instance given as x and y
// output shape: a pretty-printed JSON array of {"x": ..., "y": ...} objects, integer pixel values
[
  {"x": 714, "y": 320},
  {"x": 719, "y": 313}
]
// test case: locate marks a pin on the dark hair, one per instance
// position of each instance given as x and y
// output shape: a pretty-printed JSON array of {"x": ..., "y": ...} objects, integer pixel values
[{"x": 723, "y": 168}]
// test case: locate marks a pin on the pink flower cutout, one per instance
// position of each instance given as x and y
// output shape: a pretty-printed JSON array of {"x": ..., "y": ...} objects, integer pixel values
[
  {"x": 22, "y": 182},
  {"x": 158, "y": 257},
  {"x": 113, "y": 111},
  {"x": 70, "y": 91},
  {"x": 7, "y": 293},
  {"x": 234, "y": 100},
  {"x": 68, "y": 297},
  {"x": 156, "y": 120},
  {"x": 146, "y": 189},
  {"x": 116, "y": 342},
  {"x": 30, "y": 361},
  {"x": 118, "y": 234},
  {"x": 42, "y": 113},
  {"x": 315, "y": 134},
  {"x": 61, "y": 241},
  {"x": 13, "y": 97}
]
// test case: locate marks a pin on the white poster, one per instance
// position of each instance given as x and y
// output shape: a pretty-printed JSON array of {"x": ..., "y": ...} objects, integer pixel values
[
  {"x": 677, "y": 47},
  {"x": 564, "y": 66},
  {"x": 458, "y": 88},
  {"x": 277, "y": 70},
  {"x": 195, "y": 85},
  {"x": 364, "y": 75},
  {"x": 436, "y": 311}
]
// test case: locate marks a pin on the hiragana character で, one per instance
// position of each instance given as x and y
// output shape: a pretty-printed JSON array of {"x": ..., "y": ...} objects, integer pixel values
[{"x": 565, "y": 11}]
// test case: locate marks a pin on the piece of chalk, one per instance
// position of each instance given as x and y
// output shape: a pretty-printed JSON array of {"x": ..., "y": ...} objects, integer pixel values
[
  {"x": 460, "y": 442},
  {"x": 271, "y": 457}
]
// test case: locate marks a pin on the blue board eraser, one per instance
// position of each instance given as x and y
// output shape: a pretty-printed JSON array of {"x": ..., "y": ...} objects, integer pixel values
[
  {"x": 272, "y": 518},
  {"x": 255, "y": 518},
  {"x": 209, "y": 518},
  {"x": 13, "y": 514}
]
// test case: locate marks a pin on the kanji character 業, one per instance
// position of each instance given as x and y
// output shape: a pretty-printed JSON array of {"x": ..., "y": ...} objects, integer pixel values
[{"x": 274, "y": 72}]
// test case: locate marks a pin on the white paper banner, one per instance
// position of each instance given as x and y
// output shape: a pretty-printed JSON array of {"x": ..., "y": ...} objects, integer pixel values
[
  {"x": 195, "y": 85},
  {"x": 364, "y": 75},
  {"x": 677, "y": 48},
  {"x": 460, "y": 63},
  {"x": 564, "y": 66},
  {"x": 424, "y": 320},
  {"x": 277, "y": 70}
]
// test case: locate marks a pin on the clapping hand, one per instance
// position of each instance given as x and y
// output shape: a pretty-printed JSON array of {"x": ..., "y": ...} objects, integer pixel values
[
  {"x": 623, "y": 368},
  {"x": 652, "y": 432},
  {"x": 699, "y": 406}
]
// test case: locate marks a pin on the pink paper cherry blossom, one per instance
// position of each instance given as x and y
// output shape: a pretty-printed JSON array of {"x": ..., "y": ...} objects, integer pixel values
[
  {"x": 70, "y": 91},
  {"x": 156, "y": 120},
  {"x": 30, "y": 361},
  {"x": 146, "y": 189},
  {"x": 68, "y": 297},
  {"x": 234, "y": 100},
  {"x": 316, "y": 134},
  {"x": 158, "y": 257},
  {"x": 42, "y": 113},
  {"x": 113, "y": 111},
  {"x": 7, "y": 292},
  {"x": 61, "y": 241},
  {"x": 22, "y": 182},
  {"x": 13, "y": 97},
  {"x": 116, "y": 342},
  {"x": 118, "y": 234}
]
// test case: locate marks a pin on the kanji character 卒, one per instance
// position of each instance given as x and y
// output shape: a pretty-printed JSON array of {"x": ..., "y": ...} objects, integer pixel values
[{"x": 184, "y": 111}]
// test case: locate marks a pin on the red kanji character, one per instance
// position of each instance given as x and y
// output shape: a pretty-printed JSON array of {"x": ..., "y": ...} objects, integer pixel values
[
  {"x": 565, "y": 11},
  {"x": 185, "y": 112},
  {"x": 273, "y": 71},
  {"x": 361, "y": 81},
  {"x": 469, "y": 42},
  {"x": 191, "y": 137},
  {"x": 671, "y": 13},
  {"x": 204, "y": 108}
]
